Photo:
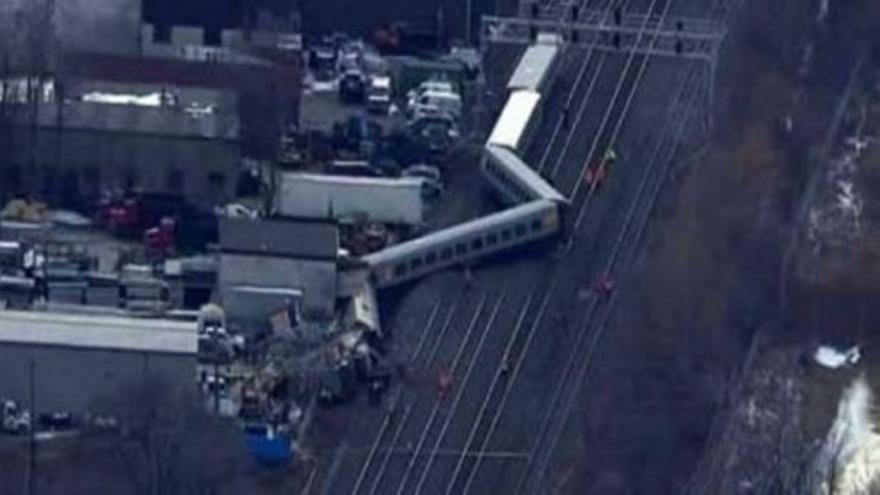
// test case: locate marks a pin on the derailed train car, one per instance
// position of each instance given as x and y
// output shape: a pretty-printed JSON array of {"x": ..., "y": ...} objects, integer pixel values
[
  {"x": 465, "y": 243},
  {"x": 537, "y": 209}
]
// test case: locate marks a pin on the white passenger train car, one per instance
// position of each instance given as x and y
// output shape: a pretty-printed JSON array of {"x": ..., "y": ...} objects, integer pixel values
[
  {"x": 515, "y": 181},
  {"x": 464, "y": 242},
  {"x": 518, "y": 121},
  {"x": 537, "y": 66}
]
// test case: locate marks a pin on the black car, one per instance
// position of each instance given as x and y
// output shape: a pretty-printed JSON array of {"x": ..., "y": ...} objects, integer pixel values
[
  {"x": 322, "y": 62},
  {"x": 352, "y": 87}
]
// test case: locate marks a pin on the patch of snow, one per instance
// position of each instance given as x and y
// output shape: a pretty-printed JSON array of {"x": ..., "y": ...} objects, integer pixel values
[
  {"x": 823, "y": 10},
  {"x": 196, "y": 110},
  {"x": 858, "y": 143},
  {"x": 830, "y": 357},
  {"x": 147, "y": 100},
  {"x": 847, "y": 199},
  {"x": 849, "y": 462},
  {"x": 837, "y": 219},
  {"x": 69, "y": 218}
]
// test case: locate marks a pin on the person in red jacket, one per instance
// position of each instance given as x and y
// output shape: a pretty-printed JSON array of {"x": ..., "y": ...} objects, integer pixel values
[
  {"x": 604, "y": 286},
  {"x": 444, "y": 383}
]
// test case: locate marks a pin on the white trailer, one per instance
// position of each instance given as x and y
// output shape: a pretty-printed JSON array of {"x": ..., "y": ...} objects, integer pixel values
[{"x": 350, "y": 199}]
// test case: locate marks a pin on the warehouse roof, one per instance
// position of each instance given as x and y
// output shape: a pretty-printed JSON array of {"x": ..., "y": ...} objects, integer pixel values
[
  {"x": 288, "y": 238},
  {"x": 157, "y": 109},
  {"x": 98, "y": 332}
]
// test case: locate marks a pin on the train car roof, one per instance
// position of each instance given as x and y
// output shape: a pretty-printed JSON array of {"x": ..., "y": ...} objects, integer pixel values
[
  {"x": 531, "y": 71},
  {"x": 457, "y": 232},
  {"x": 514, "y": 119},
  {"x": 525, "y": 173}
]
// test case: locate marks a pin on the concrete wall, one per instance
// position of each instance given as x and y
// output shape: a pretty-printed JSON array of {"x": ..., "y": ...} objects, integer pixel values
[
  {"x": 316, "y": 279},
  {"x": 186, "y": 35},
  {"x": 68, "y": 379},
  {"x": 103, "y": 26},
  {"x": 84, "y": 163}
]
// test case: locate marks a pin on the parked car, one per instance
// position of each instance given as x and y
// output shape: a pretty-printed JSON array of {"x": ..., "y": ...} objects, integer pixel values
[
  {"x": 436, "y": 102},
  {"x": 379, "y": 94},
  {"x": 429, "y": 85},
  {"x": 352, "y": 87},
  {"x": 435, "y": 132},
  {"x": 322, "y": 62},
  {"x": 357, "y": 135}
]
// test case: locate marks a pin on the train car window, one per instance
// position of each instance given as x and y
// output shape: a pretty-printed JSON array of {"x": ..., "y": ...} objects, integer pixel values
[
  {"x": 506, "y": 235},
  {"x": 431, "y": 258},
  {"x": 416, "y": 263},
  {"x": 520, "y": 230},
  {"x": 446, "y": 254},
  {"x": 492, "y": 239},
  {"x": 461, "y": 248},
  {"x": 536, "y": 225},
  {"x": 400, "y": 270},
  {"x": 477, "y": 244}
]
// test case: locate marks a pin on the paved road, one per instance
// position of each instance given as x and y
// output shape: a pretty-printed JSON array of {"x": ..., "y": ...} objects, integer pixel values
[{"x": 529, "y": 306}]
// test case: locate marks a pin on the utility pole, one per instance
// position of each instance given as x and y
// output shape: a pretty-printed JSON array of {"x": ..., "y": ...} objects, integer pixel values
[
  {"x": 440, "y": 24},
  {"x": 468, "y": 22},
  {"x": 216, "y": 385},
  {"x": 32, "y": 443}
]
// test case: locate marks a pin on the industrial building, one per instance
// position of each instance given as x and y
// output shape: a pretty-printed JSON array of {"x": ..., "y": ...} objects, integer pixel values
[
  {"x": 98, "y": 137},
  {"x": 78, "y": 359},
  {"x": 271, "y": 265},
  {"x": 106, "y": 26}
]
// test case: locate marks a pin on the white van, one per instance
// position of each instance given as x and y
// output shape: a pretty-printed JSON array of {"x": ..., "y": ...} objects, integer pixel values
[
  {"x": 430, "y": 85},
  {"x": 432, "y": 102},
  {"x": 426, "y": 86},
  {"x": 379, "y": 94}
]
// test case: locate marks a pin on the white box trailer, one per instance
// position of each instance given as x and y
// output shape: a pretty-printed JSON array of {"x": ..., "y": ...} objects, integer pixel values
[{"x": 349, "y": 199}]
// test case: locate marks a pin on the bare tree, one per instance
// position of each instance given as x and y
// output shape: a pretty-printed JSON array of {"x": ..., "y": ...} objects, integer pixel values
[
  {"x": 27, "y": 47},
  {"x": 168, "y": 444}
]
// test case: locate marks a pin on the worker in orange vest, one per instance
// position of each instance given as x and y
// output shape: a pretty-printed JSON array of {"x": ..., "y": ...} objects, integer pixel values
[{"x": 610, "y": 158}]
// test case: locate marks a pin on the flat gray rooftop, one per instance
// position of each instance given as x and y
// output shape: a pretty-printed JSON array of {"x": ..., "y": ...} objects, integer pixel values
[
  {"x": 288, "y": 238},
  {"x": 37, "y": 328}
]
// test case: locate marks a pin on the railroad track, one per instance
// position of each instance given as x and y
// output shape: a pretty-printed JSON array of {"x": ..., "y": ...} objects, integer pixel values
[
  {"x": 397, "y": 400},
  {"x": 619, "y": 106},
  {"x": 408, "y": 407},
  {"x": 564, "y": 397},
  {"x": 577, "y": 97},
  {"x": 430, "y": 439},
  {"x": 433, "y": 429},
  {"x": 663, "y": 9},
  {"x": 583, "y": 349}
]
